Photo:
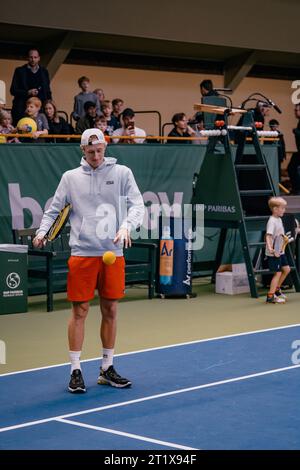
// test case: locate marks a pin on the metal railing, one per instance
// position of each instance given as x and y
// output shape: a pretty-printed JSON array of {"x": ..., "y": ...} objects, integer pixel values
[
  {"x": 152, "y": 112},
  {"x": 204, "y": 135}
]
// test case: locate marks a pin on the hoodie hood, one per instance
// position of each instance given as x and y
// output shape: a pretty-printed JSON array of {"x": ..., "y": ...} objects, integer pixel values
[
  {"x": 108, "y": 162},
  {"x": 97, "y": 174}
]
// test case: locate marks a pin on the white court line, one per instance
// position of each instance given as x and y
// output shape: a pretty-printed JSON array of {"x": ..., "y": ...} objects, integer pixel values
[
  {"x": 151, "y": 397},
  {"x": 126, "y": 434},
  {"x": 206, "y": 340}
]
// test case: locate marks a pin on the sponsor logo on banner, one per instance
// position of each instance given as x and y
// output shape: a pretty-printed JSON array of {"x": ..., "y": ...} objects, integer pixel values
[
  {"x": 220, "y": 208},
  {"x": 13, "y": 280}
]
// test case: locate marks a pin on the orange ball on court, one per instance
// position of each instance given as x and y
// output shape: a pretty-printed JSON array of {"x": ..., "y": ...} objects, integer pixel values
[{"x": 109, "y": 257}]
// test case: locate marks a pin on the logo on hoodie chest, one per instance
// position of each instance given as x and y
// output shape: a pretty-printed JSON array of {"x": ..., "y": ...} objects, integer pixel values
[{"x": 109, "y": 182}]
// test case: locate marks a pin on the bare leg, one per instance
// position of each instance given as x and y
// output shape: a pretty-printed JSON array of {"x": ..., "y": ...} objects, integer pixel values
[
  {"x": 76, "y": 325},
  {"x": 274, "y": 282},
  {"x": 108, "y": 329},
  {"x": 108, "y": 336},
  {"x": 285, "y": 270}
]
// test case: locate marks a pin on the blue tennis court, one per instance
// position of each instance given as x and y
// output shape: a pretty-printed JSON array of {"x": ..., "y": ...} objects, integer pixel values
[{"x": 234, "y": 392}]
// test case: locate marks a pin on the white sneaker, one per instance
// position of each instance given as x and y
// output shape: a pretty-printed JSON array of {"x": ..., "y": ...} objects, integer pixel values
[
  {"x": 280, "y": 295},
  {"x": 275, "y": 300}
]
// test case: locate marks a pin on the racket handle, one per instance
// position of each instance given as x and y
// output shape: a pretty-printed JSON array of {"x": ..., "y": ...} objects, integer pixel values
[{"x": 283, "y": 188}]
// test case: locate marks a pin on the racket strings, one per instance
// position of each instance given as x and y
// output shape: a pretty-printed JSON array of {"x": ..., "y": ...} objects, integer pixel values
[{"x": 59, "y": 223}]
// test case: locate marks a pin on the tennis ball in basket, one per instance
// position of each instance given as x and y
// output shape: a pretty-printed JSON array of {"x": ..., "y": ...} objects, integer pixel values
[{"x": 109, "y": 257}]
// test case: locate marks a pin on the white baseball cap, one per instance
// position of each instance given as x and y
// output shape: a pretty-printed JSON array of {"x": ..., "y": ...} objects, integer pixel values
[{"x": 88, "y": 133}]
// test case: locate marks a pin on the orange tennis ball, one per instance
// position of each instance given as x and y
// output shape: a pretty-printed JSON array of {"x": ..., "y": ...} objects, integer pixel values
[{"x": 109, "y": 257}]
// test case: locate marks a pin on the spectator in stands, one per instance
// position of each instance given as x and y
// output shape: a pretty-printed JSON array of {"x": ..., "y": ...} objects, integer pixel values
[
  {"x": 101, "y": 123},
  {"x": 100, "y": 94},
  {"x": 112, "y": 121},
  {"x": 7, "y": 128},
  {"x": 56, "y": 123},
  {"x": 29, "y": 80},
  {"x": 181, "y": 129},
  {"x": 33, "y": 108},
  {"x": 197, "y": 124},
  {"x": 274, "y": 126},
  {"x": 260, "y": 112},
  {"x": 294, "y": 165},
  {"x": 83, "y": 97},
  {"x": 88, "y": 120},
  {"x": 207, "y": 88},
  {"x": 129, "y": 129},
  {"x": 117, "y": 105}
]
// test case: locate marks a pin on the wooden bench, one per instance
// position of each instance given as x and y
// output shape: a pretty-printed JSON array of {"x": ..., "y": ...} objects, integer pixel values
[{"x": 50, "y": 263}]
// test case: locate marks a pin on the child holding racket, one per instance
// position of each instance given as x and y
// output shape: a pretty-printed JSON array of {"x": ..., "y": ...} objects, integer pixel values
[{"x": 277, "y": 260}]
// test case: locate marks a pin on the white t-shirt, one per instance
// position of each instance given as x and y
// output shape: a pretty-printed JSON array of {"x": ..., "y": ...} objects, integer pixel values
[
  {"x": 274, "y": 228},
  {"x": 137, "y": 131}
]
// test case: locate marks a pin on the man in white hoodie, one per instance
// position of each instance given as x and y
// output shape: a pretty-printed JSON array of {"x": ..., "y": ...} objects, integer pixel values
[{"x": 106, "y": 205}]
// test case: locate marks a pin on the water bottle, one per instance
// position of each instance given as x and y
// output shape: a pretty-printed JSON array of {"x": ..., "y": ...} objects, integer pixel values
[{"x": 166, "y": 257}]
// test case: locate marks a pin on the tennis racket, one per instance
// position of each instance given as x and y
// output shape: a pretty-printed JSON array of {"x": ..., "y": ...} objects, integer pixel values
[
  {"x": 58, "y": 224},
  {"x": 280, "y": 243}
]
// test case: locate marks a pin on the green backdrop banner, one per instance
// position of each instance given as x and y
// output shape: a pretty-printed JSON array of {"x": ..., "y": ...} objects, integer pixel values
[{"x": 29, "y": 174}]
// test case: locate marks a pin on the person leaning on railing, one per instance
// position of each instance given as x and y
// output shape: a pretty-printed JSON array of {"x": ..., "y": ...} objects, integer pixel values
[
  {"x": 7, "y": 128},
  {"x": 181, "y": 129},
  {"x": 33, "y": 111}
]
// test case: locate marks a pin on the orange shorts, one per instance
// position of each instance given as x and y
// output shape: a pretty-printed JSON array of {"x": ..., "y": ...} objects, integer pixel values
[{"x": 89, "y": 273}]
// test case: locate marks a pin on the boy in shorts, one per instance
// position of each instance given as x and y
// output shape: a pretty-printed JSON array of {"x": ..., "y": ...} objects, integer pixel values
[{"x": 277, "y": 261}]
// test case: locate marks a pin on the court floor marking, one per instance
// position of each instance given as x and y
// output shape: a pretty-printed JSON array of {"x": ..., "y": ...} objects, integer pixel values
[
  {"x": 125, "y": 434},
  {"x": 151, "y": 397},
  {"x": 217, "y": 338}
]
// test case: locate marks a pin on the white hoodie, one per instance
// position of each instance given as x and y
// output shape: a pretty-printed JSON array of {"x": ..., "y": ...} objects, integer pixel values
[{"x": 103, "y": 200}]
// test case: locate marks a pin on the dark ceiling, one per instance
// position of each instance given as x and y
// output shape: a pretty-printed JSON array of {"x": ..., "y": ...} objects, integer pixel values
[{"x": 131, "y": 52}]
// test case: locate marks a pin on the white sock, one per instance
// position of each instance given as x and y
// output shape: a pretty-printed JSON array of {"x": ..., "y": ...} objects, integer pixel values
[
  {"x": 108, "y": 356},
  {"x": 75, "y": 360}
]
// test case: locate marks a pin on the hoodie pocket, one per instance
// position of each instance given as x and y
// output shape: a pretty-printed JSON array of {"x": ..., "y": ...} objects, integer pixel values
[{"x": 92, "y": 238}]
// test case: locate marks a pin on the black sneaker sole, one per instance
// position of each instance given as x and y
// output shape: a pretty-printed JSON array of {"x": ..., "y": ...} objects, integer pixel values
[
  {"x": 77, "y": 390},
  {"x": 103, "y": 381}
]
